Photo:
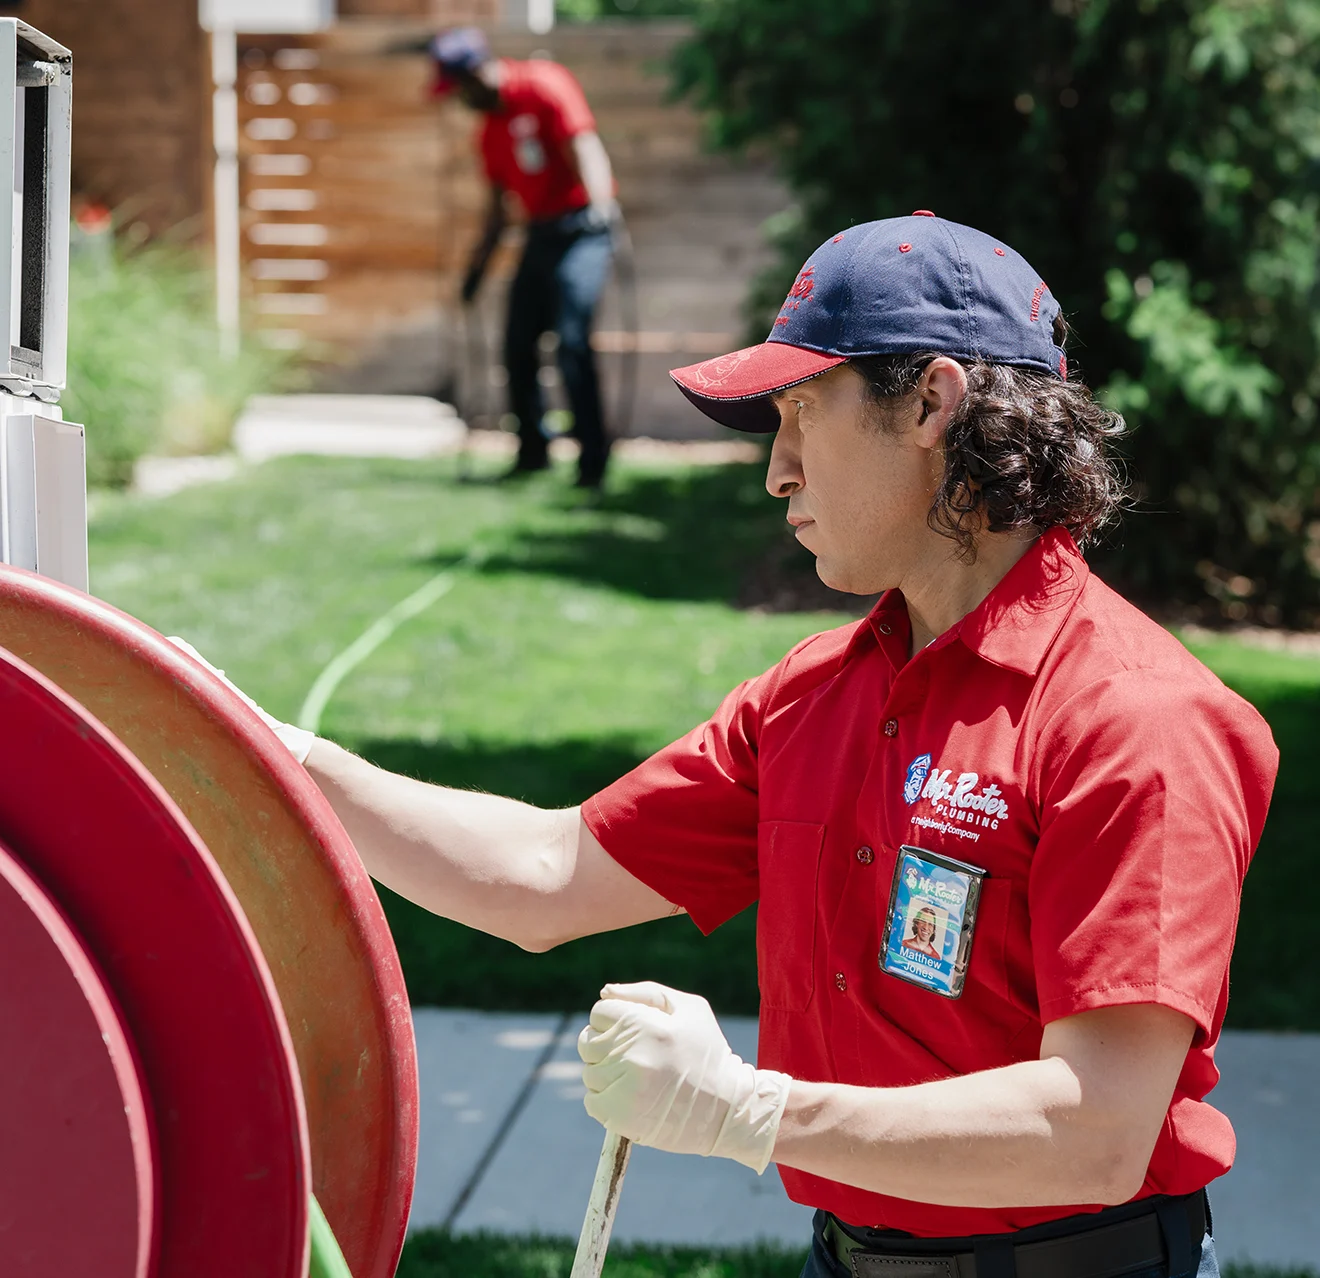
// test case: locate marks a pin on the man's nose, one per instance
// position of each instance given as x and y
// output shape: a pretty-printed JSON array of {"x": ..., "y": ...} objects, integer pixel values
[{"x": 783, "y": 476}]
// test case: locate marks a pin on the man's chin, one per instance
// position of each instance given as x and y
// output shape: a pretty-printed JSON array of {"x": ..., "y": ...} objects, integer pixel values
[
  {"x": 837, "y": 577},
  {"x": 831, "y": 576}
]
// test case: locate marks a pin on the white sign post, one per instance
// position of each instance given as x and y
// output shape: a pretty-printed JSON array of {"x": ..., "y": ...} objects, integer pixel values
[
  {"x": 43, "y": 475},
  {"x": 224, "y": 19}
]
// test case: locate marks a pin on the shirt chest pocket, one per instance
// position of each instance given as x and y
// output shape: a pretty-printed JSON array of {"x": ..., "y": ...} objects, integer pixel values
[{"x": 788, "y": 860}]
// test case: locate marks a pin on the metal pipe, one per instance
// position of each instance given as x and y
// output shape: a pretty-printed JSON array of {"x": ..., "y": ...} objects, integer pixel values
[{"x": 224, "y": 129}]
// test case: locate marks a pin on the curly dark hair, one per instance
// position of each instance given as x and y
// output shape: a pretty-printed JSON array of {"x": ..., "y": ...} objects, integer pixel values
[{"x": 1024, "y": 451}]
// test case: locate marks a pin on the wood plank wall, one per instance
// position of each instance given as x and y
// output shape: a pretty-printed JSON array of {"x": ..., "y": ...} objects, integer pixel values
[
  {"x": 362, "y": 200},
  {"x": 141, "y": 132}
]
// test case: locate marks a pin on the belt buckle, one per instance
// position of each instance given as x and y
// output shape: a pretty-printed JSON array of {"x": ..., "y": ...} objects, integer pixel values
[{"x": 874, "y": 1264}]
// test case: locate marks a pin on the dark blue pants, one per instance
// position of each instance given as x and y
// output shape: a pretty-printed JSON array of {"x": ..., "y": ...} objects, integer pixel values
[
  {"x": 558, "y": 284},
  {"x": 822, "y": 1263}
]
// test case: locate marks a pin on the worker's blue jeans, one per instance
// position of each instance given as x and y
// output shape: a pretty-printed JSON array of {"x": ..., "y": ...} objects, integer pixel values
[
  {"x": 558, "y": 284},
  {"x": 822, "y": 1263}
]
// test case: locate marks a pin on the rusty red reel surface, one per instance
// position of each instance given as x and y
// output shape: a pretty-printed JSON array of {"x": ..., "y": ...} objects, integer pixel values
[
  {"x": 149, "y": 904},
  {"x": 291, "y": 865}
]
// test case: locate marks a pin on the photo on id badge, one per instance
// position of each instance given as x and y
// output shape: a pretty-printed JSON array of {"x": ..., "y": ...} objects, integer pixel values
[{"x": 932, "y": 914}]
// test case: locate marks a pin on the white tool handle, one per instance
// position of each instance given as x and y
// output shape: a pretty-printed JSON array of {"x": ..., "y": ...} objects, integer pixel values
[{"x": 602, "y": 1205}]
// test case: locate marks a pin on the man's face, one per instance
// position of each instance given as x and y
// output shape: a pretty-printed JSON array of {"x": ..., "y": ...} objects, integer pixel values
[
  {"x": 858, "y": 490},
  {"x": 475, "y": 92}
]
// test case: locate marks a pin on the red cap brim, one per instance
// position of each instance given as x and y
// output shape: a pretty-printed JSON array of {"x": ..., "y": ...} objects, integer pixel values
[
  {"x": 734, "y": 389},
  {"x": 442, "y": 86}
]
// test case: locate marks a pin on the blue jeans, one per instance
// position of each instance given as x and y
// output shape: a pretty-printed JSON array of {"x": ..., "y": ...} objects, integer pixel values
[
  {"x": 559, "y": 281},
  {"x": 822, "y": 1263}
]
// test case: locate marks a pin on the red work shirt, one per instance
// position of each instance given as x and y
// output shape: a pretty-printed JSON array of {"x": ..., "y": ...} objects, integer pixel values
[
  {"x": 1112, "y": 788},
  {"x": 524, "y": 143}
]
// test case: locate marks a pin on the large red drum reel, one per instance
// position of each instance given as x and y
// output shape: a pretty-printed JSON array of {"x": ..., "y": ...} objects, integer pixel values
[
  {"x": 77, "y": 1141},
  {"x": 145, "y": 898},
  {"x": 301, "y": 885}
]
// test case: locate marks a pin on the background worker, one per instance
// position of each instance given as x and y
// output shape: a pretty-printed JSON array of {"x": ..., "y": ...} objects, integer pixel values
[
  {"x": 1002, "y": 734},
  {"x": 539, "y": 141}
]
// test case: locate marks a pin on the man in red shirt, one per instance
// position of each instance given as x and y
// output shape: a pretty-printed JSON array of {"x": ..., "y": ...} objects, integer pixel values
[
  {"x": 539, "y": 141},
  {"x": 1004, "y": 759}
]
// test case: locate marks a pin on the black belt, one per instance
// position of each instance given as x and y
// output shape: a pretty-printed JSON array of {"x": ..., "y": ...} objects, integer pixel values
[{"x": 1154, "y": 1232}]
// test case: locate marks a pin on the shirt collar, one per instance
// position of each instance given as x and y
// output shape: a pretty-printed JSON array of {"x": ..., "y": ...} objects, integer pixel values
[{"x": 1012, "y": 627}]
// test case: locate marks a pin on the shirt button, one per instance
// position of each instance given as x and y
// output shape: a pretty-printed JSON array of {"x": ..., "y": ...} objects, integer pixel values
[
  {"x": 891, "y": 727},
  {"x": 885, "y": 628},
  {"x": 865, "y": 855},
  {"x": 841, "y": 982}
]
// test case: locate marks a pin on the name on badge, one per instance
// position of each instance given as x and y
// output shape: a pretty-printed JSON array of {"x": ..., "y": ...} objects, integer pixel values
[{"x": 931, "y": 918}]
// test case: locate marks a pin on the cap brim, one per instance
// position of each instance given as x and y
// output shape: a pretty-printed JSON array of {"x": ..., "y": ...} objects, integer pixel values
[
  {"x": 442, "y": 86},
  {"x": 735, "y": 389}
]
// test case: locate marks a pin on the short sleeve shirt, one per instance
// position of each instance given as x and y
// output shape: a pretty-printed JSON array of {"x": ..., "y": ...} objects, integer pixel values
[
  {"x": 1110, "y": 786},
  {"x": 524, "y": 143}
]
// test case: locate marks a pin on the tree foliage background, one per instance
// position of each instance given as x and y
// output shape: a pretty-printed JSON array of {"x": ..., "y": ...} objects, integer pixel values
[{"x": 1157, "y": 160}]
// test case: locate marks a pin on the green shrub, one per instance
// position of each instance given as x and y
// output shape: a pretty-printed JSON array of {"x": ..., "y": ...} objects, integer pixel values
[
  {"x": 1157, "y": 160},
  {"x": 145, "y": 369}
]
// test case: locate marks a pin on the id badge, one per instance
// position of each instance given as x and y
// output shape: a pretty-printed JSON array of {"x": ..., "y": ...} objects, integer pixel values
[{"x": 932, "y": 914}]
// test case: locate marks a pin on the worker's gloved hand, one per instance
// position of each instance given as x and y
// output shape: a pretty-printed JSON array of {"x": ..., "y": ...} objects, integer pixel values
[
  {"x": 298, "y": 741},
  {"x": 601, "y": 217},
  {"x": 660, "y": 1071}
]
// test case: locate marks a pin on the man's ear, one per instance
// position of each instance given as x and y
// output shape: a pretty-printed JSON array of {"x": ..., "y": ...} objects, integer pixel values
[{"x": 942, "y": 388}]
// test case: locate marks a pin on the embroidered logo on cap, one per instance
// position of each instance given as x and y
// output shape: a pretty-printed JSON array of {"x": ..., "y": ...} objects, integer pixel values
[
  {"x": 715, "y": 372},
  {"x": 801, "y": 289}
]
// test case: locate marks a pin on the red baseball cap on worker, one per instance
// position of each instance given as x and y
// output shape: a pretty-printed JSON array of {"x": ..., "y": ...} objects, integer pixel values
[
  {"x": 894, "y": 287},
  {"x": 457, "y": 49}
]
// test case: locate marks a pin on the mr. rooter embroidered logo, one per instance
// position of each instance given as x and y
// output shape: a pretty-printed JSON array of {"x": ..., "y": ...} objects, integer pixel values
[{"x": 963, "y": 799}]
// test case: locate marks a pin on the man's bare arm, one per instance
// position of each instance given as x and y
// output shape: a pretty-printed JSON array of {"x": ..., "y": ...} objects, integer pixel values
[
  {"x": 1076, "y": 1126},
  {"x": 534, "y": 877},
  {"x": 588, "y": 157}
]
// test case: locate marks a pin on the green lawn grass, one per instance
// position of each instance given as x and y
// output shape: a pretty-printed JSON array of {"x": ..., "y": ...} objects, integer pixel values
[
  {"x": 433, "y": 1254},
  {"x": 591, "y": 633},
  {"x": 1275, "y": 981}
]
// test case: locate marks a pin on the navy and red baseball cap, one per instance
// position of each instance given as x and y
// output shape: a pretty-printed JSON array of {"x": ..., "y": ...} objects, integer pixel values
[
  {"x": 455, "y": 50},
  {"x": 895, "y": 287}
]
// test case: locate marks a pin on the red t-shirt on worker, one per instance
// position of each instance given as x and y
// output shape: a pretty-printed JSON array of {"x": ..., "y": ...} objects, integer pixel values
[
  {"x": 1110, "y": 786},
  {"x": 524, "y": 144}
]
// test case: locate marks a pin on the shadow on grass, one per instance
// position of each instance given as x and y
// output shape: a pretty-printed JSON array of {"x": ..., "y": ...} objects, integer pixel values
[
  {"x": 433, "y": 1254},
  {"x": 557, "y": 774},
  {"x": 448, "y": 965},
  {"x": 1276, "y": 965},
  {"x": 693, "y": 535}
]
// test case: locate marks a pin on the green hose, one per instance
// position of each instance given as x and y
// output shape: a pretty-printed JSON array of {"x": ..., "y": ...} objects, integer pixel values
[{"x": 327, "y": 1259}]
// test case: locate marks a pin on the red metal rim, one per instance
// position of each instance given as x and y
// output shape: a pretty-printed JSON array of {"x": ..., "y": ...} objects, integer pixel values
[
  {"x": 83, "y": 1133},
  {"x": 152, "y": 907},
  {"x": 296, "y": 874}
]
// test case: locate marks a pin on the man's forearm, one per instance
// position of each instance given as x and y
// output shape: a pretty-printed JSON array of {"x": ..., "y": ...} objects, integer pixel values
[
  {"x": 592, "y": 162},
  {"x": 489, "y": 862},
  {"x": 1020, "y": 1136}
]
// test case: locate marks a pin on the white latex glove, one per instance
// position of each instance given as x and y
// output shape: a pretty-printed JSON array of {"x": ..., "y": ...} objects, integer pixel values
[
  {"x": 298, "y": 741},
  {"x": 660, "y": 1071}
]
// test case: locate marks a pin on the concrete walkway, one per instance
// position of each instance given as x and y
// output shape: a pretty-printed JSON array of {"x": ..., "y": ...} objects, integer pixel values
[{"x": 507, "y": 1146}]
